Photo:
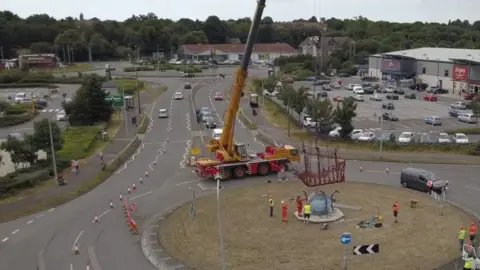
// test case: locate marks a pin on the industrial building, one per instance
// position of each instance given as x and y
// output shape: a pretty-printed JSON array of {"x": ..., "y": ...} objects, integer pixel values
[{"x": 451, "y": 69}]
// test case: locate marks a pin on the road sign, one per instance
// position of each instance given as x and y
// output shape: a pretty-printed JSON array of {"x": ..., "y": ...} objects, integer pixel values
[
  {"x": 346, "y": 238},
  {"x": 195, "y": 151},
  {"x": 366, "y": 249}
]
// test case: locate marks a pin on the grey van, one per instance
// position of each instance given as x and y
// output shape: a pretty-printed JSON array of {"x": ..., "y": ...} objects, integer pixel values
[{"x": 418, "y": 178}]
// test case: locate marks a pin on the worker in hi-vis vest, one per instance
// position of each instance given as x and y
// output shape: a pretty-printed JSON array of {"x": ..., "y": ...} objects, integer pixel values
[
  {"x": 307, "y": 211},
  {"x": 461, "y": 237},
  {"x": 468, "y": 264}
]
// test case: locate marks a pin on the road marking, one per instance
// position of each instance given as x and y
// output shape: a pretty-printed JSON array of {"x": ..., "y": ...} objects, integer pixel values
[
  {"x": 403, "y": 126},
  {"x": 132, "y": 158},
  {"x": 51, "y": 209},
  {"x": 71, "y": 266},
  {"x": 40, "y": 216},
  {"x": 474, "y": 188},
  {"x": 30, "y": 221},
  {"x": 104, "y": 213},
  {"x": 44, "y": 110},
  {"x": 141, "y": 195},
  {"x": 189, "y": 182},
  {"x": 76, "y": 240},
  {"x": 51, "y": 110},
  {"x": 5, "y": 239},
  {"x": 15, "y": 232},
  {"x": 202, "y": 186},
  {"x": 185, "y": 155}
]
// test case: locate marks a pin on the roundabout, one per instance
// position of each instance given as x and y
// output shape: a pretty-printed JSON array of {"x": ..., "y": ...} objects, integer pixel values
[{"x": 254, "y": 240}]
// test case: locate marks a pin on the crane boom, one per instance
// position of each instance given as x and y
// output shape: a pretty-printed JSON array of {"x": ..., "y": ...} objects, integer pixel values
[{"x": 225, "y": 145}]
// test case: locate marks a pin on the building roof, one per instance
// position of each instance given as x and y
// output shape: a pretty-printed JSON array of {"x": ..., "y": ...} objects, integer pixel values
[
  {"x": 239, "y": 48},
  {"x": 438, "y": 54}
]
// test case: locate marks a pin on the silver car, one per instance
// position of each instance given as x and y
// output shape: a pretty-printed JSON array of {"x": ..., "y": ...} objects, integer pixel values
[{"x": 162, "y": 113}]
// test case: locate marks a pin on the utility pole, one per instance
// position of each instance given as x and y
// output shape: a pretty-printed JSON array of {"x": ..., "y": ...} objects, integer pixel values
[
  {"x": 156, "y": 60},
  {"x": 53, "y": 152},
  {"x": 136, "y": 80},
  {"x": 220, "y": 228}
]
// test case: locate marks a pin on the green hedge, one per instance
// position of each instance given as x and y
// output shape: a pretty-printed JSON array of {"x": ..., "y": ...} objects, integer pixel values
[
  {"x": 12, "y": 120},
  {"x": 134, "y": 69},
  {"x": 13, "y": 78},
  {"x": 468, "y": 131},
  {"x": 128, "y": 86},
  {"x": 189, "y": 69},
  {"x": 78, "y": 142},
  {"x": 27, "y": 85}
]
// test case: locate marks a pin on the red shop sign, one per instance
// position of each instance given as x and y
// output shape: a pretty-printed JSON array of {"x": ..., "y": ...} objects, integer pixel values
[{"x": 460, "y": 73}]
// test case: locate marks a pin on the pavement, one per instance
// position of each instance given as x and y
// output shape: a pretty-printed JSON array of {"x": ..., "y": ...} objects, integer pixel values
[{"x": 47, "y": 238}]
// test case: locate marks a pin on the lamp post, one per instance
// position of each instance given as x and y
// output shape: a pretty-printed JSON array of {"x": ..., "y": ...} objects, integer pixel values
[
  {"x": 220, "y": 228},
  {"x": 53, "y": 152}
]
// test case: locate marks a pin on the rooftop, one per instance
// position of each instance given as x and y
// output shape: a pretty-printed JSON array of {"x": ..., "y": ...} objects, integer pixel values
[
  {"x": 437, "y": 54},
  {"x": 239, "y": 48}
]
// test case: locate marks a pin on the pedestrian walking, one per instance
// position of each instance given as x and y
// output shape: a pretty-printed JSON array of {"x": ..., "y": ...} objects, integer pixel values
[
  {"x": 101, "y": 156},
  {"x": 461, "y": 237},
  {"x": 396, "y": 208},
  {"x": 284, "y": 212},
  {"x": 473, "y": 233},
  {"x": 307, "y": 211},
  {"x": 271, "y": 204}
]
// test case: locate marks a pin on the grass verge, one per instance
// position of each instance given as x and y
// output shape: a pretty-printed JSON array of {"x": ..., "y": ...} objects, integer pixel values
[
  {"x": 78, "y": 141},
  {"x": 467, "y": 131},
  {"x": 241, "y": 116},
  {"x": 144, "y": 122},
  {"x": 73, "y": 68}
]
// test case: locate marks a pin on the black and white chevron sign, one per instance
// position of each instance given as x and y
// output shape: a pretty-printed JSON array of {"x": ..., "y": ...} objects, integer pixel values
[{"x": 366, "y": 249}]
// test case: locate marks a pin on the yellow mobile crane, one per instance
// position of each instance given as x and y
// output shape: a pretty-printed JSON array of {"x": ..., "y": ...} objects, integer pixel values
[{"x": 232, "y": 159}]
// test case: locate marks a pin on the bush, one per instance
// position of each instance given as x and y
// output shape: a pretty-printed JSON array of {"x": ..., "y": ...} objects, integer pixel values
[
  {"x": 301, "y": 75},
  {"x": 27, "y": 85},
  {"x": 166, "y": 66},
  {"x": 12, "y": 120},
  {"x": 189, "y": 69},
  {"x": 16, "y": 78},
  {"x": 128, "y": 86},
  {"x": 78, "y": 142},
  {"x": 468, "y": 131},
  {"x": 134, "y": 69}
]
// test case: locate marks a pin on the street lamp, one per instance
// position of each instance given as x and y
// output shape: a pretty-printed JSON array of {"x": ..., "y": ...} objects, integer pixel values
[
  {"x": 220, "y": 227},
  {"x": 53, "y": 152}
]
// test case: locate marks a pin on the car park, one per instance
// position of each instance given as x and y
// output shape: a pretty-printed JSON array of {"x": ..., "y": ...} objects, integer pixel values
[
  {"x": 459, "y": 105},
  {"x": 460, "y": 138},
  {"x": 406, "y": 137},
  {"x": 178, "y": 96},
  {"x": 388, "y": 106},
  {"x": 322, "y": 95},
  {"x": 389, "y": 117},
  {"x": 392, "y": 97},
  {"x": 376, "y": 97},
  {"x": 162, "y": 113},
  {"x": 399, "y": 91},
  {"x": 468, "y": 118},
  {"x": 356, "y": 133},
  {"x": 430, "y": 98},
  {"x": 218, "y": 96},
  {"x": 389, "y": 90},
  {"x": 433, "y": 120},
  {"x": 366, "y": 137},
  {"x": 368, "y": 90},
  {"x": 358, "y": 98},
  {"x": 187, "y": 86},
  {"x": 410, "y": 96},
  {"x": 358, "y": 90},
  {"x": 381, "y": 91},
  {"x": 426, "y": 138},
  {"x": 386, "y": 137},
  {"x": 418, "y": 179},
  {"x": 444, "y": 138}
]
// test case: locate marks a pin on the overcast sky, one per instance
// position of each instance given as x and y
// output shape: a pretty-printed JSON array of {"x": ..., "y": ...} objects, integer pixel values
[{"x": 279, "y": 10}]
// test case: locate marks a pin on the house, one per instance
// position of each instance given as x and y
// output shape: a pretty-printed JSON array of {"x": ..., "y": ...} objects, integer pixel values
[
  {"x": 234, "y": 52},
  {"x": 321, "y": 47}
]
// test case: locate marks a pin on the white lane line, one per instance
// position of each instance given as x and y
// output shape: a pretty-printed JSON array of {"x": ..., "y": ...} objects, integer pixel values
[
  {"x": 30, "y": 222},
  {"x": 104, "y": 213},
  {"x": 189, "y": 182},
  {"x": 403, "y": 126},
  {"x": 185, "y": 155},
  {"x": 15, "y": 232},
  {"x": 5, "y": 239},
  {"x": 141, "y": 195},
  {"x": 75, "y": 243},
  {"x": 71, "y": 266},
  {"x": 51, "y": 210},
  {"x": 474, "y": 188},
  {"x": 40, "y": 216},
  {"x": 202, "y": 186}
]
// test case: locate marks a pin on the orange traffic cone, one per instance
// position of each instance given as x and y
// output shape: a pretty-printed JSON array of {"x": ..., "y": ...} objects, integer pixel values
[
  {"x": 75, "y": 250},
  {"x": 146, "y": 173},
  {"x": 129, "y": 191},
  {"x": 141, "y": 180},
  {"x": 96, "y": 220},
  {"x": 134, "y": 187}
]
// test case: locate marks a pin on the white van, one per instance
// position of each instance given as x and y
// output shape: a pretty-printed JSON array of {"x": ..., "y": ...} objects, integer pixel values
[
  {"x": 467, "y": 118},
  {"x": 358, "y": 90},
  {"x": 217, "y": 133},
  {"x": 20, "y": 97}
]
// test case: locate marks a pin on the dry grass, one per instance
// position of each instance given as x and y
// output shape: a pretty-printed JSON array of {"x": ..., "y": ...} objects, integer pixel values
[{"x": 423, "y": 239}]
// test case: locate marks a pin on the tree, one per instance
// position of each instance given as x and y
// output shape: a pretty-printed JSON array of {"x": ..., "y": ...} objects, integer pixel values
[
  {"x": 299, "y": 101},
  {"x": 41, "y": 137},
  {"x": 343, "y": 115},
  {"x": 89, "y": 105},
  {"x": 321, "y": 111},
  {"x": 21, "y": 152},
  {"x": 269, "y": 85}
]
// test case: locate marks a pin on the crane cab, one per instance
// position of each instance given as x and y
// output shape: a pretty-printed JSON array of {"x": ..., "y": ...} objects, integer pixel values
[{"x": 254, "y": 100}]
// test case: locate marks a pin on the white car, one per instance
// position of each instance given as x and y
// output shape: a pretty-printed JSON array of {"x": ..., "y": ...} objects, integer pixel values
[
  {"x": 309, "y": 123},
  {"x": 356, "y": 133},
  {"x": 389, "y": 90},
  {"x": 217, "y": 133},
  {"x": 468, "y": 118},
  {"x": 460, "y": 138},
  {"x": 162, "y": 113},
  {"x": 19, "y": 97},
  {"x": 406, "y": 137},
  {"x": 61, "y": 116},
  {"x": 178, "y": 96},
  {"x": 367, "y": 137},
  {"x": 376, "y": 97},
  {"x": 358, "y": 98},
  {"x": 335, "y": 132},
  {"x": 444, "y": 138},
  {"x": 351, "y": 86},
  {"x": 358, "y": 90},
  {"x": 460, "y": 105}
]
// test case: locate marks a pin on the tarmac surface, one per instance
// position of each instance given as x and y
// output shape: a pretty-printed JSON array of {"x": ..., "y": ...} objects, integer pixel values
[{"x": 46, "y": 240}]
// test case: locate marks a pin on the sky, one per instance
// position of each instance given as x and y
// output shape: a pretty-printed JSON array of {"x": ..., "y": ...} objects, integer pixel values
[{"x": 279, "y": 10}]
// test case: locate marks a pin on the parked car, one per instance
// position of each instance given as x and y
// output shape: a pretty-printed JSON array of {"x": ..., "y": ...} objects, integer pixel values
[
  {"x": 419, "y": 86},
  {"x": 392, "y": 97},
  {"x": 187, "y": 86},
  {"x": 386, "y": 137},
  {"x": 335, "y": 132},
  {"x": 178, "y": 96},
  {"x": 468, "y": 118},
  {"x": 388, "y": 106},
  {"x": 444, "y": 138},
  {"x": 410, "y": 96},
  {"x": 322, "y": 94},
  {"x": 460, "y": 105},
  {"x": 366, "y": 137},
  {"x": 308, "y": 122},
  {"x": 210, "y": 122},
  {"x": 376, "y": 97},
  {"x": 389, "y": 117},
  {"x": 426, "y": 138},
  {"x": 358, "y": 90},
  {"x": 437, "y": 90},
  {"x": 418, "y": 178},
  {"x": 326, "y": 87},
  {"x": 358, "y": 98},
  {"x": 469, "y": 96},
  {"x": 389, "y": 90},
  {"x": 368, "y": 90},
  {"x": 406, "y": 137},
  {"x": 218, "y": 96},
  {"x": 454, "y": 113},
  {"x": 433, "y": 120},
  {"x": 381, "y": 91},
  {"x": 356, "y": 133},
  {"x": 430, "y": 98},
  {"x": 460, "y": 138},
  {"x": 162, "y": 113},
  {"x": 399, "y": 91}
]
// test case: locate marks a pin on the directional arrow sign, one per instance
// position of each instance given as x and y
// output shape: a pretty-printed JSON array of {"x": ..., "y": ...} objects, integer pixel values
[
  {"x": 366, "y": 249},
  {"x": 346, "y": 238}
]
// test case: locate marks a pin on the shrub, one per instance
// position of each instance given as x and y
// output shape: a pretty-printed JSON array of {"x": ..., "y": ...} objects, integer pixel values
[
  {"x": 468, "y": 131},
  {"x": 12, "y": 120},
  {"x": 189, "y": 69},
  {"x": 78, "y": 142},
  {"x": 134, "y": 69}
]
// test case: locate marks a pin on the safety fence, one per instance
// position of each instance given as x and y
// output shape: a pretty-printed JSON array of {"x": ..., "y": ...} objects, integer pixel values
[{"x": 128, "y": 210}]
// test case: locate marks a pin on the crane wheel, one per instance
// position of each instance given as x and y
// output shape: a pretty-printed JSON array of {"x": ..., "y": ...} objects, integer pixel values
[
  {"x": 263, "y": 169},
  {"x": 239, "y": 172}
]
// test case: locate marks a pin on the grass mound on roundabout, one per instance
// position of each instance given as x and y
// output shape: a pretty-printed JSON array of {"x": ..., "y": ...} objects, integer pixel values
[{"x": 422, "y": 239}]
